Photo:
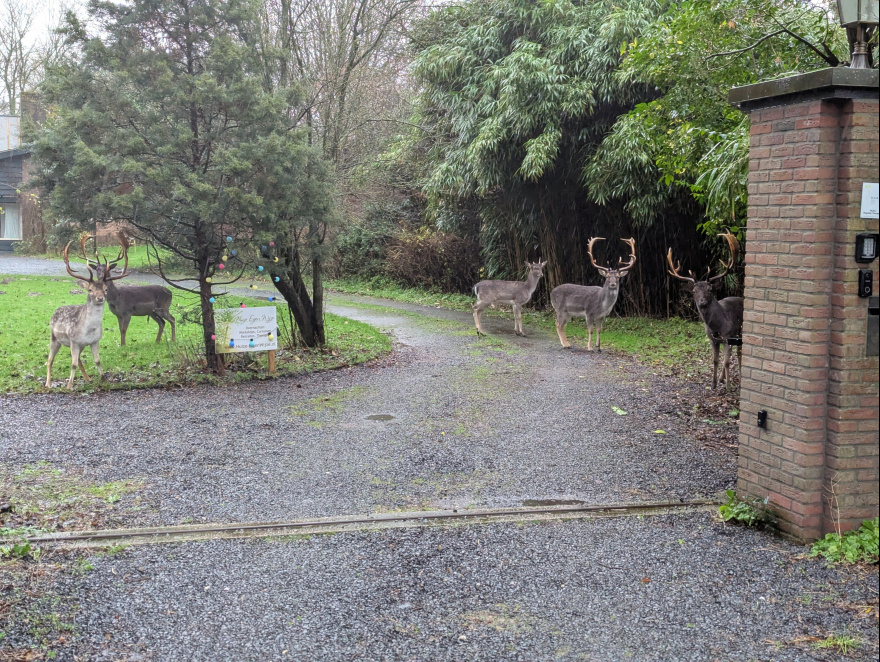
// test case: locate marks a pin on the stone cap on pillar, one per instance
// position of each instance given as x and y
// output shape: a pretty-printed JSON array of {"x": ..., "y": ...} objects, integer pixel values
[{"x": 831, "y": 83}]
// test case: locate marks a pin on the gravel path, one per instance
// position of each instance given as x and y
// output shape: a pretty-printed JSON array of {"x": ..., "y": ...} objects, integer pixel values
[
  {"x": 476, "y": 422},
  {"x": 450, "y": 420},
  {"x": 665, "y": 588}
]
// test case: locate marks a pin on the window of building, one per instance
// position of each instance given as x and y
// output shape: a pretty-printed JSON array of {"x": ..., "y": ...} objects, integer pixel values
[{"x": 10, "y": 221}]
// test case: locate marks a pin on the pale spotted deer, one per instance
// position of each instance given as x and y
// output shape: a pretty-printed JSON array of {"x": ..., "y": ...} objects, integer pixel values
[{"x": 79, "y": 327}]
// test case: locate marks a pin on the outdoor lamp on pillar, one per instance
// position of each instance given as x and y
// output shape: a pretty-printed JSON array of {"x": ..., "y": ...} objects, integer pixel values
[{"x": 860, "y": 18}]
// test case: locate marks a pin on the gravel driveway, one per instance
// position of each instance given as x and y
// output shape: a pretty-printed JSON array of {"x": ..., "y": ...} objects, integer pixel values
[
  {"x": 464, "y": 421},
  {"x": 449, "y": 420}
]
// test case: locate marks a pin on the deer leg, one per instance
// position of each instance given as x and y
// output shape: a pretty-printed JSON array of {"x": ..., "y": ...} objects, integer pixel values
[
  {"x": 478, "y": 311},
  {"x": 598, "y": 331},
  {"x": 74, "y": 363},
  {"x": 97, "y": 358},
  {"x": 561, "y": 321},
  {"x": 123, "y": 327},
  {"x": 54, "y": 346},
  {"x": 82, "y": 367},
  {"x": 517, "y": 320},
  {"x": 589, "y": 323},
  {"x": 160, "y": 322},
  {"x": 715, "y": 347},
  {"x": 165, "y": 314}
]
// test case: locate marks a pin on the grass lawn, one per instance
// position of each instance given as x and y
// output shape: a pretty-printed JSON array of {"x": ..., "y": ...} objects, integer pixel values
[
  {"x": 672, "y": 343},
  {"x": 27, "y": 304}
]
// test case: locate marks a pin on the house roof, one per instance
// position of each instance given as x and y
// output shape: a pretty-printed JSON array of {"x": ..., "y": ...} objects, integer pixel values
[{"x": 12, "y": 153}]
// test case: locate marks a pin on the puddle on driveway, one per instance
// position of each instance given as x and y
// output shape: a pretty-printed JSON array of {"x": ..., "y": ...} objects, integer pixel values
[
  {"x": 552, "y": 502},
  {"x": 380, "y": 417}
]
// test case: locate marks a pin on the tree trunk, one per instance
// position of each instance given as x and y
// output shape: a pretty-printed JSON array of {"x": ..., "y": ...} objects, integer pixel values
[
  {"x": 318, "y": 300},
  {"x": 291, "y": 286},
  {"x": 212, "y": 358}
]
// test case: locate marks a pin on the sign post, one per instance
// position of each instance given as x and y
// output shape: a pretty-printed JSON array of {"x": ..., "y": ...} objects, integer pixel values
[{"x": 247, "y": 330}]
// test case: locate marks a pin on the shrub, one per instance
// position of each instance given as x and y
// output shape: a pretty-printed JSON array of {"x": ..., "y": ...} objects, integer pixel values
[
  {"x": 851, "y": 547},
  {"x": 362, "y": 245},
  {"x": 433, "y": 259}
]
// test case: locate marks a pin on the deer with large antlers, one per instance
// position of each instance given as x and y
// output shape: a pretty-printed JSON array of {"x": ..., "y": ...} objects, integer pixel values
[
  {"x": 127, "y": 301},
  {"x": 79, "y": 327},
  {"x": 724, "y": 318},
  {"x": 593, "y": 302},
  {"x": 510, "y": 292}
]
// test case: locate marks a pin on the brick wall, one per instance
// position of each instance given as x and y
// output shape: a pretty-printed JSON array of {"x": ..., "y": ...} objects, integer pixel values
[{"x": 804, "y": 327}]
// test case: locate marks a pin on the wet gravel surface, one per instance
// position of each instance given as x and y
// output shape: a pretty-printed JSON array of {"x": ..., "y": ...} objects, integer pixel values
[
  {"x": 449, "y": 420},
  {"x": 663, "y": 588},
  {"x": 481, "y": 422}
]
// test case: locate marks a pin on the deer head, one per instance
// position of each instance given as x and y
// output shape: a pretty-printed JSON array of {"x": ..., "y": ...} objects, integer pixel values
[
  {"x": 104, "y": 270},
  {"x": 612, "y": 275},
  {"x": 536, "y": 269},
  {"x": 704, "y": 289},
  {"x": 96, "y": 283}
]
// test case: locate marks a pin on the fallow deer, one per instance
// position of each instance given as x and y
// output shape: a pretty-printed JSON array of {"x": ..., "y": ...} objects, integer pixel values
[
  {"x": 79, "y": 327},
  {"x": 127, "y": 301},
  {"x": 510, "y": 292},
  {"x": 594, "y": 303},
  {"x": 723, "y": 319}
]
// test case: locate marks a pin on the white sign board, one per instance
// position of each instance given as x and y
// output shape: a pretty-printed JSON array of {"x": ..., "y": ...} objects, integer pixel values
[
  {"x": 246, "y": 329},
  {"x": 870, "y": 200}
]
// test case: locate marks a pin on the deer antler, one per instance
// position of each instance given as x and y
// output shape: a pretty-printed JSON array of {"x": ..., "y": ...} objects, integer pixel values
[
  {"x": 123, "y": 242},
  {"x": 673, "y": 269},
  {"x": 66, "y": 256},
  {"x": 621, "y": 267},
  {"x": 733, "y": 245},
  {"x": 593, "y": 240},
  {"x": 82, "y": 248}
]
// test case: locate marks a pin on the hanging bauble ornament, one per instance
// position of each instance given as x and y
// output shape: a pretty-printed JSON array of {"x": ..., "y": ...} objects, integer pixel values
[
  {"x": 260, "y": 268},
  {"x": 213, "y": 337},
  {"x": 271, "y": 337},
  {"x": 253, "y": 287},
  {"x": 271, "y": 298},
  {"x": 277, "y": 279},
  {"x": 275, "y": 259},
  {"x": 208, "y": 279},
  {"x": 211, "y": 300},
  {"x": 251, "y": 343},
  {"x": 224, "y": 258},
  {"x": 229, "y": 240},
  {"x": 242, "y": 306},
  {"x": 234, "y": 252},
  {"x": 262, "y": 248},
  {"x": 232, "y": 343},
  {"x": 272, "y": 243},
  {"x": 221, "y": 266}
]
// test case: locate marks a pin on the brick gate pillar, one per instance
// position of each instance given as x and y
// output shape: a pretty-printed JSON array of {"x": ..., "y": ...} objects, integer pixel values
[{"x": 814, "y": 141}]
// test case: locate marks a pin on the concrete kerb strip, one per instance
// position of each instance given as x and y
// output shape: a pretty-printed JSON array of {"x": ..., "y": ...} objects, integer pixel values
[{"x": 201, "y": 532}]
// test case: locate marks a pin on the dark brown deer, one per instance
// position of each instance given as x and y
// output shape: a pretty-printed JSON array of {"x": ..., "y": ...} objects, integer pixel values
[
  {"x": 79, "y": 327},
  {"x": 594, "y": 303},
  {"x": 723, "y": 319},
  {"x": 510, "y": 292},
  {"x": 127, "y": 301}
]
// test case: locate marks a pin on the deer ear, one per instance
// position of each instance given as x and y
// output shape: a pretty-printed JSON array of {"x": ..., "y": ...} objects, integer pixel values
[
  {"x": 688, "y": 286},
  {"x": 716, "y": 285}
]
